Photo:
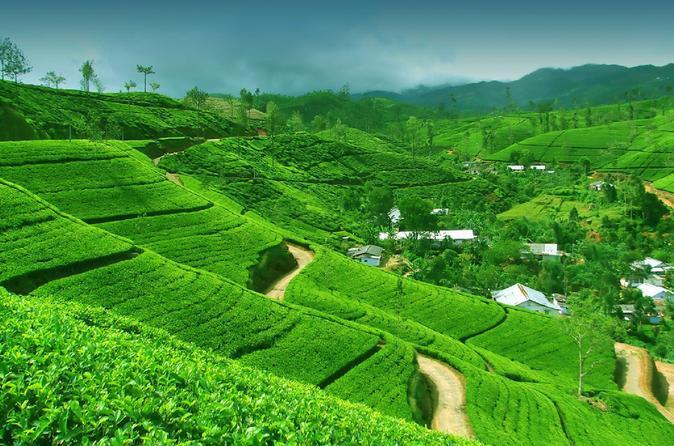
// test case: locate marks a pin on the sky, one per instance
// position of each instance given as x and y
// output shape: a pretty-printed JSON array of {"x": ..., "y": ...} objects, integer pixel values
[{"x": 295, "y": 46}]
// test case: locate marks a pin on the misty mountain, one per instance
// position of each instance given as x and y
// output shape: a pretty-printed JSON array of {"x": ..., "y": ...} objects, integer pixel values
[{"x": 580, "y": 86}]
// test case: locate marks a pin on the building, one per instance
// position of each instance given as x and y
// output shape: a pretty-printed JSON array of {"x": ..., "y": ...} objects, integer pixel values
[
  {"x": 597, "y": 185},
  {"x": 539, "y": 167},
  {"x": 651, "y": 271},
  {"x": 522, "y": 296},
  {"x": 657, "y": 293},
  {"x": 458, "y": 236},
  {"x": 627, "y": 311},
  {"x": 516, "y": 168},
  {"x": 440, "y": 211},
  {"x": 368, "y": 254},
  {"x": 544, "y": 250},
  {"x": 394, "y": 216}
]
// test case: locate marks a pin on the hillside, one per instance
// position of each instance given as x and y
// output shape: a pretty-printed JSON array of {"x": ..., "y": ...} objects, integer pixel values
[
  {"x": 174, "y": 392},
  {"x": 584, "y": 85},
  {"x": 32, "y": 112},
  {"x": 106, "y": 249}
]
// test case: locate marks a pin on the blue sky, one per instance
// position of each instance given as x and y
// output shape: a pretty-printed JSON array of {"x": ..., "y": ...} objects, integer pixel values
[{"x": 297, "y": 46}]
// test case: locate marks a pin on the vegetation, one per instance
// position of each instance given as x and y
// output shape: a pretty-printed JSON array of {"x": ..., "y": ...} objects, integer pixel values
[{"x": 160, "y": 390}]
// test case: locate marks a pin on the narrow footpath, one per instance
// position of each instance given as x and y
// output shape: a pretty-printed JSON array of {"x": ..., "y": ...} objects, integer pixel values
[
  {"x": 303, "y": 256},
  {"x": 638, "y": 380},
  {"x": 449, "y": 415}
]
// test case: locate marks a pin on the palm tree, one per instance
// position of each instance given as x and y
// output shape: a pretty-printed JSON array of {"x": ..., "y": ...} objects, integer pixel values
[{"x": 145, "y": 71}]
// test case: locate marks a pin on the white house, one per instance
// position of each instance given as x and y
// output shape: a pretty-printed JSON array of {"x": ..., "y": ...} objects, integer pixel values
[
  {"x": 544, "y": 250},
  {"x": 539, "y": 167},
  {"x": 394, "y": 216},
  {"x": 368, "y": 254},
  {"x": 440, "y": 211},
  {"x": 522, "y": 296},
  {"x": 597, "y": 185},
  {"x": 516, "y": 168},
  {"x": 655, "y": 271},
  {"x": 458, "y": 236},
  {"x": 657, "y": 293}
]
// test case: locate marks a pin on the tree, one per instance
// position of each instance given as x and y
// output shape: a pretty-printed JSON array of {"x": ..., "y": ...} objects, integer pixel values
[
  {"x": 196, "y": 97},
  {"x": 6, "y": 48},
  {"x": 589, "y": 328},
  {"x": 273, "y": 119},
  {"x": 88, "y": 75},
  {"x": 14, "y": 62},
  {"x": 145, "y": 71},
  {"x": 295, "y": 123},
  {"x": 154, "y": 86},
  {"x": 52, "y": 79},
  {"x": 129, "y": 85},
  {"x": 652, "y": 209},
  {"x": 416, "y": 214},
  {"x": 379, "y": 203}
]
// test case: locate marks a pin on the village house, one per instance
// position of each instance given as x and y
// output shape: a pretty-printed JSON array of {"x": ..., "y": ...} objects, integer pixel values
[
  {"x": 538, "y": 167},
  {"x": 627, "y": 311},
  {"x": 657, "y": 293},
  {"x": 394, "y": 216},
  {"x": 516, "y": 168},
  {"x": 458, "y": 236},
  {"x": 597, "y": 185},
  {"x": 544, "y": 251},
  {"x": 650, "y": 271},
  {"x": 368, "y": 254},
  {"x": 522, "y": 296}
]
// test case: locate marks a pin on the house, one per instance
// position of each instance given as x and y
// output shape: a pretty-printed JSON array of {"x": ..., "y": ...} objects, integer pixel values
[
  {"x": 544, "y": 250},
  {"x": 394, "y": 216},
  {"x": 653, "y": 271},
  {"x": 458, "y": 236},
  {"x": 516, "y": 168},
  {"x": 440, "y": 211},
  {"x": 522, "y": 296},
  {"x": 368, "y": 254},
  {"x": 657, "y": 293},
  {"x": 539, "y": 167},
  {"x": 597, "y": 185},
  {"x": 627, "y": 311}
]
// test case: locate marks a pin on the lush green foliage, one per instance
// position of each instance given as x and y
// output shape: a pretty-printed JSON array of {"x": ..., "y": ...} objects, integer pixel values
[
  {"x": 93, "y": 181},
  {"x": 74, "y": 375},
  {"x": 58, "y": 114},
  {"x": 540, "y": 342},
  {"x": 36, "y": 237},
  {"x": 213, "y": 239}
]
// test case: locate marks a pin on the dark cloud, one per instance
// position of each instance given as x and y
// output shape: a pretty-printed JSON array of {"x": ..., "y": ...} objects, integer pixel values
[{"x": 296, "y": 46}]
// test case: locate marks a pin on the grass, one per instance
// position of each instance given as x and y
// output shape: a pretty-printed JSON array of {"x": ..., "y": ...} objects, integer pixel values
[{"x": 557, "y": 208}]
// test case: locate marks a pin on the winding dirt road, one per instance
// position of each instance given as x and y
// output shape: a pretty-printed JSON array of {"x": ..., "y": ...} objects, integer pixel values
[
  {"x": 638, "y": 380},
  {"x": 303, "y": 256},
  {"x": 449, "y": 413},
  {"x": 667, "y": 371}
]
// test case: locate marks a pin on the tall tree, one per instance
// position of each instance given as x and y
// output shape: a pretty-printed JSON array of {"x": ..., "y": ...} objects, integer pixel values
[
  {"x": 196, "y": 97},
  {"x": 589, "y": 329},
  {"x": 51, "y": 79},
  {"x": 145, "y": 71},
  {"x": 129, "y": 85},
  {"x": 88, "y": 75},
  {"x": 14, "y": 61},
  {"x": 6, "y": 48}
]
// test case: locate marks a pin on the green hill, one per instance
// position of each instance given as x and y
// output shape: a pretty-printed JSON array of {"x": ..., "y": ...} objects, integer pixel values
[
  {"x": 32, "y": 112},
  {"x": 144, "y": 386}
]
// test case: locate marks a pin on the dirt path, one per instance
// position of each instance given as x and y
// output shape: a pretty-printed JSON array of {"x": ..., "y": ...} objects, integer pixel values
[
  {"x": 174, "y": 178},
  {"x": 638, "y": 380},
  {"x": 449, "y": 415},
  {"x": 303, "y": 257},
  {"x": 666, "y": 197},
  {"x": 667, "y": 371}
]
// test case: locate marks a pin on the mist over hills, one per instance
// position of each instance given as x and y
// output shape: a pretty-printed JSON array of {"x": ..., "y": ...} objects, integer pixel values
[{"x": 589, "y": 84}]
